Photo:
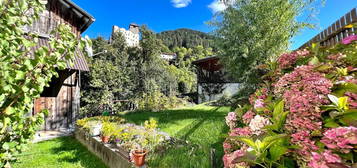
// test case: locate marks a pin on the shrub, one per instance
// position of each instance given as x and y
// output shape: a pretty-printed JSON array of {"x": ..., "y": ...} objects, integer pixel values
[{"x": 304, "y": 115}]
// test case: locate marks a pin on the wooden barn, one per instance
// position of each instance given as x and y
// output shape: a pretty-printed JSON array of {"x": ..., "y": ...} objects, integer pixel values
[{"x": 62, "y": 97}]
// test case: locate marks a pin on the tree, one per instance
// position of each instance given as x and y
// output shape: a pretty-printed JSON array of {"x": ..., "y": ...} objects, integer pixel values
[
  {"x": 110, "y": 76},
  {"x": 250, "y": 32},
  {"x": 25, "y": 72}
]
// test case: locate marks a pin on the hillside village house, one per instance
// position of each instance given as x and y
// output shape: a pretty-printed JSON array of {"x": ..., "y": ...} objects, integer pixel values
[{"x": 62, "y": 97}]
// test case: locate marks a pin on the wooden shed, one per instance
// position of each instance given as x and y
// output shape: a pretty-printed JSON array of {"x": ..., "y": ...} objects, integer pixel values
[
  {"x": 212, "y": 80},
  {"x": 61, "y": 98}
]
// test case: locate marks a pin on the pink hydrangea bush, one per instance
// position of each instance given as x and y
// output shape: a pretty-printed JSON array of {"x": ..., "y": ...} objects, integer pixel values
[
  {"x": 311, "y": 140},
  {"x": 288, "y": 59},
  {"x": 304, "y": 90}
]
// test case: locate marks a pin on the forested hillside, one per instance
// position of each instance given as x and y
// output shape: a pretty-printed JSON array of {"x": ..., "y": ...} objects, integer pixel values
[{"x": 186, "y": 38}]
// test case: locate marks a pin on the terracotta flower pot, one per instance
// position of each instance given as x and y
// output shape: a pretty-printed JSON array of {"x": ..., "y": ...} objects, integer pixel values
[
  {"x": 105, "y": 139},
  {"x": 139, "y": 157}
]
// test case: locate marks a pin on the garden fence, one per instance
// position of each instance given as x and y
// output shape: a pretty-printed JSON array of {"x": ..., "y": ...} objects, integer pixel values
[{"x": 337, "y": 31}]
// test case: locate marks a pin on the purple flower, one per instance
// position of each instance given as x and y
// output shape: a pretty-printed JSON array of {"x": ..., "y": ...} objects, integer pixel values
[{"x": 349, "y": 39}]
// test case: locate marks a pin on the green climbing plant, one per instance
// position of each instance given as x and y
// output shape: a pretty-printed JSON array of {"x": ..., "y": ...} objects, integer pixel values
[{"x": 25, "y": 70}]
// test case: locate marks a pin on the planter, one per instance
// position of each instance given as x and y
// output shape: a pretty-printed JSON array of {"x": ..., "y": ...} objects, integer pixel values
[
  {"x": 139, "y": 157},
  {"x": 105, "y": 139},
  {"x": 95, "y": 130}
]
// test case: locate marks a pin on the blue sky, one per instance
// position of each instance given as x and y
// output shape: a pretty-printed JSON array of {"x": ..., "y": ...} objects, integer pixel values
[{"x": 161, "y": 15}]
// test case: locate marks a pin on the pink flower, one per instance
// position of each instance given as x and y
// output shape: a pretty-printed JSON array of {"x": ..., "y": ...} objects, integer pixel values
[
  {"x": 226, "y": 146},
  {"x": 340, "y": 139},
  {"x": 323, "y": 161},
  {"x": 257, "y": 124},
  {"x": 303, "y": 91},
  {"x": 240, "y": 132},
  {"x": 302, "y": 139},
  {"x": 231, "y": 119},
  {"x": 349, "y": 39},
  {"x": 248, "y": 116},
  {"x": 259, "y": 103},
  {"x": 286, "y": 60},
  {"x": 232, "y": 159},
  {"x": 331, "y": 158}
]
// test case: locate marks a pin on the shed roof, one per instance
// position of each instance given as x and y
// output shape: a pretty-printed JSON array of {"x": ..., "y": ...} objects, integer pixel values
[
  {"x": 80, "y": 13},
  {"x": 209, "y": 63},
  {"x": 79, "y": 62}
]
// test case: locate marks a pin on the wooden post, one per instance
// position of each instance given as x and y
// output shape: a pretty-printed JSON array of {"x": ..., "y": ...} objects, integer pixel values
[{"x": 213, "y": 158}]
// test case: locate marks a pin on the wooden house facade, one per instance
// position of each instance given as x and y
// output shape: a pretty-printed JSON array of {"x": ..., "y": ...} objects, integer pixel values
[{"x": 61, "y": 98}]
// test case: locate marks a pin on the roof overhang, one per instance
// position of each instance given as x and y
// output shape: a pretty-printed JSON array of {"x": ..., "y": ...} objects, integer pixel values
[
  {"x": 209, "y": 63},
  {"x": 87, "y": 18}
]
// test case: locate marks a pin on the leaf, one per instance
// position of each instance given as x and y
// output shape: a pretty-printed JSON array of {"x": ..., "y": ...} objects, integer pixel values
[
  {"x": 333, "y": 99},
  {"x": 20, "y": 75},
  {"x": 247, "y": 141},
  {"x": 314, "y": 61},
  {"x": 331, "y": 124},
  {"x": 276, "y": 151},
  {"x": 278, "y": 109},
  {"x": 342, "y": 103},
  {"x": 349, "y": 118}
]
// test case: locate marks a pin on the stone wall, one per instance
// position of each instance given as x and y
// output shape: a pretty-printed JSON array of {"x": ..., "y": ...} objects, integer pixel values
[{"x": 111, "y": 155}]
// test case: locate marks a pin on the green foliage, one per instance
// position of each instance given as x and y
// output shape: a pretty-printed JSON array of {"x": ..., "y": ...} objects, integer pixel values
[
  {"x": 267, "y": 152},
  {"x": 250, "y": 33},
  {"x": 108, "y": 128},
  {"x": 279, "y": 117},
  {"x": 186, "y": 38},
  {"x": 24, "y": 72},
  {"x": 157, "y": 101}
]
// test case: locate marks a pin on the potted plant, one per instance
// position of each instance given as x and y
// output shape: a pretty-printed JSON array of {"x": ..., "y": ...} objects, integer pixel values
[
  {"x": 140, "y": 151},
  {"x": 108, "y": 130},
  {"x": 94, "y": 127}
]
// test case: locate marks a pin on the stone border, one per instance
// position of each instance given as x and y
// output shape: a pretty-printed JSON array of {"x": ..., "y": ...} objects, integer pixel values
[{"x": 110, "y": 154}]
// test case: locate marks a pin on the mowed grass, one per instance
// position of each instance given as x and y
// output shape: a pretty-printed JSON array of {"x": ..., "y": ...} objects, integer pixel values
[
  {"x": 201, "y": 125},
  {"x": 64, "y": 152}
]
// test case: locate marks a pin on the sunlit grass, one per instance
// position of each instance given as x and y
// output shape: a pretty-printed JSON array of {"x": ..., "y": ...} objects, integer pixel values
[
  {"x": 201, "y": 125},
  {"x": 64, "y": 152}
]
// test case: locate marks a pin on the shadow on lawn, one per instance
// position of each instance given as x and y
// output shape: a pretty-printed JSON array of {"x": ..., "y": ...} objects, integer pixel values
[{"x": 72, "y": 151}]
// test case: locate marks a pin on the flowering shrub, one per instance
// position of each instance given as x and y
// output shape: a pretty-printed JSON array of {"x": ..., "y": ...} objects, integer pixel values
[{"x": 303, "y": 116}]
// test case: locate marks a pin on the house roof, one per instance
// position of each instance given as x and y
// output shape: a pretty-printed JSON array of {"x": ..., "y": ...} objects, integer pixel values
[
  {"x": 79, "y": 62},
  {"x": 87, "y": 18}
]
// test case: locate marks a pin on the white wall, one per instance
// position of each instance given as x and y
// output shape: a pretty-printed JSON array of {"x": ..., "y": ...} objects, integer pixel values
[{"x": 229, "y": 90}]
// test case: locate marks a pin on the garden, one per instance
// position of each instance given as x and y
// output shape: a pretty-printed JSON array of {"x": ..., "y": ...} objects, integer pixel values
[{"x": 293, "y": 108}]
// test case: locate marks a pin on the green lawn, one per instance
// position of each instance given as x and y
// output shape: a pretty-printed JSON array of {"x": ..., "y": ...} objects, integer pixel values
[
  {"x": 64, "y": 152},
  {"x": 201, "y": 125}
]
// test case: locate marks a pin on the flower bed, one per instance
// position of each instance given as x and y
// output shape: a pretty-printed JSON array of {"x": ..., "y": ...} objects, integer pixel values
[
  {"x": 124, "y": 137},
  {"x": 304, "y": 115}
]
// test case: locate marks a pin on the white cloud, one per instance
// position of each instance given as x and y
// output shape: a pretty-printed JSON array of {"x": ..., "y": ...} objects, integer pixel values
[
  {"x": 219, "y": 6},
  {"x": 180, "y": 3}
]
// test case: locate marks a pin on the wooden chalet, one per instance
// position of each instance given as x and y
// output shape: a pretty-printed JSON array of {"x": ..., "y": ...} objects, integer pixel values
[{"x": 62, "y": 97}]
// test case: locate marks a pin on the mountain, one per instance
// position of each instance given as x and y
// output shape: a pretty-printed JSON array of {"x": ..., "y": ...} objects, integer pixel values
[{"x": 186, "y": 38}]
